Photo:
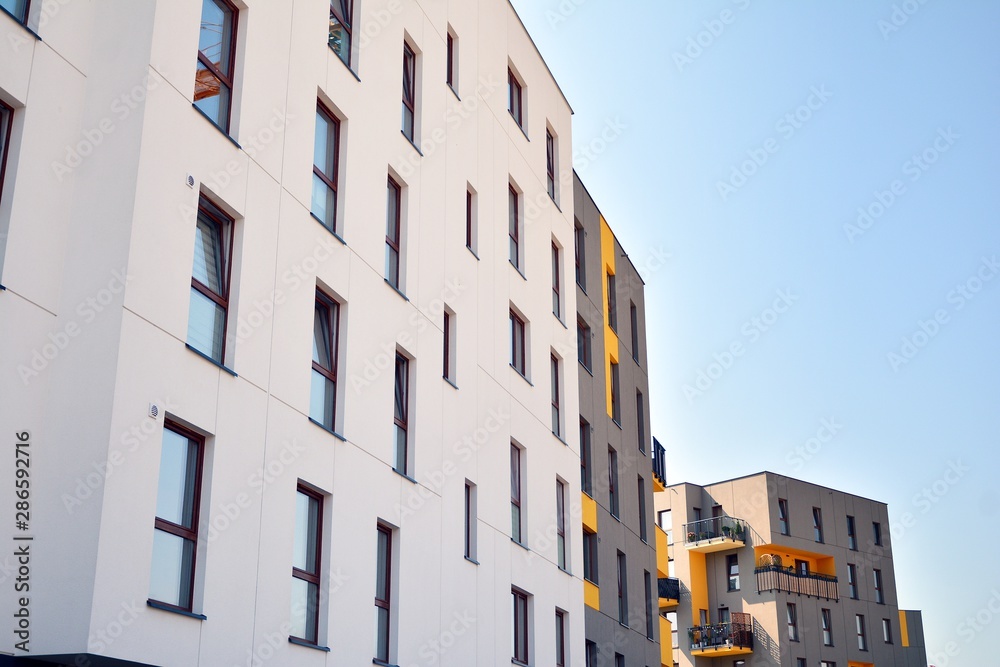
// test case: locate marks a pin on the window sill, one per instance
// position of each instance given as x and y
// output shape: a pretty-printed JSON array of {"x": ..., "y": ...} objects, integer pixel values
[
  {"x": 559, "y": 438},
  {"x": 518, "y": 662},
  {"x": 211, "y": 360},
  {"x": 519, "y": 126},
  {"x": 565, "y": 571},
  {"x": 473, "y": 253},
  {"x": 23, "y": 25},
  {"x": 305, "y": 644},
  {"x": 396, "y": 290},
  {"x": 560, "y": 320},
  {"x": 216, "y": 125},
  {"x": 518, "y": 269},
  {"x": 582, "y": 288},
  {"x": 328, "y": 430},
  {"x": 410, "y": 141},
  {"x": 450, "y": 381},
  {"x": 624, "y": 625},
  {"x": 523, "y": 546},
  {"x": 323, "y": 224},
  {"x": 376, "y": 661},
  {"x": 558, "y": 208},
  {"x": 586, "y": 368},
  {"x": 522, "y": 375},
  {"x": 405, "y": 476},
  {"x": 174, "y": 610},
  {"x": 453, "y": 91},
  {"x": 617, "y": 422},
  {"x": 472, "y": 560},
  {"x": 349, "y": 68}
]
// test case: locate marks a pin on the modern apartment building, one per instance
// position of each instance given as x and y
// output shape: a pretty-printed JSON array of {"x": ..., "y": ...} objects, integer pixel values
[
  {"x": 287, "y": 329},
  {"x": 777, "y": 571},
  {"x": 623, "y": 626}
]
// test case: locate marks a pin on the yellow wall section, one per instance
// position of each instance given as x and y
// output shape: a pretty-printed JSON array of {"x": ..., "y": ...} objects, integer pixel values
[
  {"x": 591, "y": 595},
  {"x": 610, "y": 337},
  {"x": 662, "y": 553},
  {"x": 589, "y": 513},
  {"x": 666, "y": 642},
  {"x": 904, "y": 631},
  {"x": 819, "y": 563},
  {"x": 699, "y": 585}
]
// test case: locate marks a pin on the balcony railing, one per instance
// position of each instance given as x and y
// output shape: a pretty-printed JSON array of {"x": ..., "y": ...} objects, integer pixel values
[
  {"x": 669, "y": 588},
  {"x": 659, "y": 462},
  {"x": 778, "y": 578},
  {"x": 737, "y": 634},
  {"x": 725, "y": 527}
]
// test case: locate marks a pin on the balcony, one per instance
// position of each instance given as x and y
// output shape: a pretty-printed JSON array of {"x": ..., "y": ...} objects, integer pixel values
[
  {"x": 669, "y": 591},
  {"x": 777, "y": 578},
  {"x": 721, "y": 533},
  {"x": 723, "y": 639},
  {"x": 659, "y": 466}
]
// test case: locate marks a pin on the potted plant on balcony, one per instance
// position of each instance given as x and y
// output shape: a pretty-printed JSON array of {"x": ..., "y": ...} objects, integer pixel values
[
  {"x": 691, "y": 537},
  {"x": 726, "y": 530},
  {"x": 738, "y": 531}
]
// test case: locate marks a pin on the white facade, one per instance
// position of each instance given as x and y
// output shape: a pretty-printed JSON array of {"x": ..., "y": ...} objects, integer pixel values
[{"x": 98, "y": 224}]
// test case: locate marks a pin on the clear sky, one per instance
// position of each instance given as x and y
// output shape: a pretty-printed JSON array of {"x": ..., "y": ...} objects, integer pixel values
[{"x": 753, "y": 134}]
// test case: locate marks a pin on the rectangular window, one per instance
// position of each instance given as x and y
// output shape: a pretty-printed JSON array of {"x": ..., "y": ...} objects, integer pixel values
[
  {"x": 306, "y": 559},
  {"x": 852, "y": 581},
  {"x": 393, "y": 232},
  {"x": 674, "y": 634},
  {"x": 733, "y": 572},
  {"x": 879, "y": 593},
  {"x": 556, "y": 282},
  {"x": 550, "y": 164},
  {"x": 210, "y": 278},
  {"x": 556, "y": 416},
  {"x": 213, "y": 83},
  {"x": 516, "y": 521},
  {"x": 586, "y": 477},
  {"x": 6, "y": 126},
  {"x": 827, "y": 620},
  {"x": 579, "y": 249},
  {"x": 517, "y": 349},
  {"x": 520, "y": 626},
  {"x": 449, "y": 345},
  {"x": 470, "y": 219},
  {"x": 619, "y": 660},
  {"x": 17, "y": 8},
  {"x": 613, "y": 482},
  {"x": 470, "y": 520},
  {"x": 401, "y": 414},
  {"x": 514, "y": 226},
  {"x": 616, "y": 406},
  {"x": 793, "y": 623},
  {"x": 323, "y": 399},
  {"x": 877, "y": 533},
  {"x": 591, "y": 657},
  {"x": 818, "y": 525},
  {"x": 634, "y": 319},
  {"x": 824, "y": 663},
  {"x": 341, "y": 13},
  {"x": 640, "y": 420},
  {"x": 451, "y": 60},
  {"x": 642, "y": 509},
  {"x": 383, "y": 592},
  {"x": 622, "y": 589},
  {"x": 649, "y": 604},
  {"x": 783, "y": 516},
  {"x": 515, "y": 103},
  {"x": 561, "y": 524},
  {"x": 859, "y": 622},
  {"x": 326, "y": 152},
  {"x": 175, "y": 534},
  {"x": 590, "y": 557},
  {"x": 852, "y": 537},
  {"x": 887, "y": 630},
  {"x": 560, "y": 639},
  {"x": 800, "y": 662},
  {"x": 409, "y": 91},
  {"x": 612, "y": 303},
  {"x": 583, "y": 344}
]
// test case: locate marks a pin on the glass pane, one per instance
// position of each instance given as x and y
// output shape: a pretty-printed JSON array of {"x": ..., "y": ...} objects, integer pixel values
[
  {"x": 175, "y": 493},
  {"x": 208, "y": 261},
  {"x": 15, "y": 7},
  {"x": 400, "y": 392},
  {"x": 325, "y": 145},
  {"x": 321, "y": 402},
  {"x": 382, "y": 634},
  {"x": 562, "y": 551},
  {"x": 400, "y": 449},
  {"x": 306, "y": 533},
  {"x": 407, "y": 122},
  {"x": 340, "y": 39},
  {"x": 212, "y": 96},
  {"x": 303, "y": 612},
  {"x": 515, "y": 522},
  {"x": 382, "y": 572},
  {"x": 321, "y": 336},
  {"x": 324, "y": 203},
  {"x": 392, "y": 213},
  {"x": 172, "y": 569},
  {"x": 216, "y": 28},
  {"x": 206, "y": 321}
]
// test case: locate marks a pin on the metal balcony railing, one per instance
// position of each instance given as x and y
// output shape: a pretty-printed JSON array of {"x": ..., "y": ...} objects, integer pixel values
[
  {"x": 788, "y": 580},
  {"x": 669, "y": 588},
  {"x": 720, "y": 526},
  {"x": 738, "y": 633},
  {"x": 659, "y": 462}
]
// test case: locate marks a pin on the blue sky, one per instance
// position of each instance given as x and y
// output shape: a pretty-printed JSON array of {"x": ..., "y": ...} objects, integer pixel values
[{"x": 824, "y": 177}]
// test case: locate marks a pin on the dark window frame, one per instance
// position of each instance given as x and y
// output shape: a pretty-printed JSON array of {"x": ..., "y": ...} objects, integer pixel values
[
  {"x": 330, "y": 180},
  {"x": 612, "y": 302},
  {"x": 590, "y": 558},
  {"x": 225, "y": 78},
  {"x": 879, "y": 586},
  {"x": 394, "y": 228},
  {"x": 450, "y": 60},
  {"x": 516, "y": 494},
  {"x": 518, "y": 349},
  {"x": 877, "y": 533},
  {"x": 550, "y": 164},
  {"x": 647, "y": 579},
  {"x": 470, "y": 528},
  {"x": 613, "y": 504},
  {"x": 401, "y": 411},
  {"x": 6, "y": 131},
  {"x": 520, "y": 603},
  {"x": 332, "y": 320},
  {"x": 586, "y": 459},
  {"x": 783, "y": 522},
  {"x": 634, "y": 317},
  {"x": 556, "y": 281},
  {"x": 409, "y": 92},
  {"x": 580, "y": 254},
  {"x": 826, "y": 625},
  {"x": 560, "y": 638},
  {"x": 556, "y": 408},
  {"x": 514, "y": 226},
  {"x": 622, "y": 567},
  {"x": 887, "y": 631},
  {"x": 515, "y": 98},
  {"x": 469, "y": 221},
  {"x": 818, "y": 525},
  {"x": 616, "y": 404},
  {"x": 852, "y": 581},
  {"x": 225, "y": 235},
  {"x": 386, "y": 602},
  {"x": 792, "y": 619},
  {"x": 23, "y": 20},
  {"x": 640, "y": 412},
  {"x": 584, "y": 347},
  {"x": 862, "y": 631},
  {"x": 447, "y": 333},
  {"x": 732, "y": 577},
  {"x": 347, "y": 23},
  {"x": 183, "y": 532},
  {"x": 852, "y": 535},
  {"x": 313, "y": 577},
  {"x": 561, "y": 524},
  {"x": 641, "y": 491}
]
